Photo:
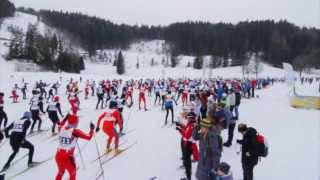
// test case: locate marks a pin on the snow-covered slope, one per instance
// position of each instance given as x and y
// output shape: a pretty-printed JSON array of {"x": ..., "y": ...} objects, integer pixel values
[{"x": 147, "y": 51}]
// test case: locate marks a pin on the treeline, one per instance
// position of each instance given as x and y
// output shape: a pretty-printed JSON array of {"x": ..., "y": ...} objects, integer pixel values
[
  {"x": 274, "y": 42},
  {"x": 6, "y": 8},
  {"x": 96, "y": 33},
  {"x": 45, "y": 50}
]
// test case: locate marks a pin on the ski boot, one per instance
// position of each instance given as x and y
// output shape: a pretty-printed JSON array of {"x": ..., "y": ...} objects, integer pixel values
[
  {"x": 108, "y": 150},
  {"x": 32, "y": 164},
  {"x": 6, "y": 167},
  {"x": 118, "y": 151}
]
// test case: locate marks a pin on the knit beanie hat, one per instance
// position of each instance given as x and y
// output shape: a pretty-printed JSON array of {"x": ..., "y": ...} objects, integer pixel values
[
  {"x": 206, "y": 123},
  {"x": 224, "y": 167}
]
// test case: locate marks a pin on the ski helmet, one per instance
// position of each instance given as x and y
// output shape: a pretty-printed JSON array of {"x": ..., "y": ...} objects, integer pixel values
[
  {"x": 113, "y": 104},
  {"x": 27, "y": 115},
  {"x": 56, "y": 98}
]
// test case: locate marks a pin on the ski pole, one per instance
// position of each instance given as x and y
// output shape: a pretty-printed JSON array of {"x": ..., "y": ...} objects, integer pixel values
[
  {"x": 99, "y": 157},
  {"x": 81, "y": 157},
  {"x": 127, "y": 121}
]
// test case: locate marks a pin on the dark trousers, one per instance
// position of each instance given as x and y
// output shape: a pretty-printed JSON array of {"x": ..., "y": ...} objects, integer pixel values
[
  {"x": 3, "y": 116},
  {"x": 15, "y": 147},
  {"x": 53, "y": 116},
  {"x": 163, "y": 98},
  {"x": 203, "y": 111},
  {"x": 252, "y": 92},
  {"x": 92, "y": 91},
  {"x": 157, "y": 96},
  {"x": 247, "y": 171},
  {"x": 35, "y": 118},
  {"x": 100, "y": 100},
  {"x": 186, "y": 157},
  {"x": 231, "y": 109},
  {"x": 230, "y": 133},
  {"x": 167, "y": 114},
  {"x": 24, "y": 94}
]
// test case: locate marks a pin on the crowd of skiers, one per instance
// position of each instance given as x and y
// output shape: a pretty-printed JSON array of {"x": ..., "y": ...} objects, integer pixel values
[{"x": 208, "y": 107}]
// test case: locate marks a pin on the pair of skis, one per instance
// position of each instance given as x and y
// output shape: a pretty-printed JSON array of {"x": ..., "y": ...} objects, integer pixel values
[
  {"x": 101, "y": 173},
  {"x": 28, "y": 168}
]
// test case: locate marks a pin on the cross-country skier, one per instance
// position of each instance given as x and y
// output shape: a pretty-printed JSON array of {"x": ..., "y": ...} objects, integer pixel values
[
  {"x": 121, "y": 103},
  {"x": 188, "y": 147},
  {"x": 109, "y": 118},
  {"x": 157, "y": 93},
  {"x": 36, "y": 105},
  {"x": 1, "y": 136},
  {"x": 53, "y": 109},
  {"x": 169, "y": 107},
  {"x": 24, "y": 90},
  {"x": 129, "y": 95},
  {"x": 18, "y": 138},
  {"x": 184, "y": 96},
  {"x": 142, "y": 97},
  {"x": 3, "y": 114},
  {"x": 14, "y": 93},
  {"x": 100, "y": 95},
  {"x": 68, "y": 137}
]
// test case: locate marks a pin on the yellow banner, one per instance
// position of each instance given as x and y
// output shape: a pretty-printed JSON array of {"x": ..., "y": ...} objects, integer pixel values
[{"x": 309, "y": 102}]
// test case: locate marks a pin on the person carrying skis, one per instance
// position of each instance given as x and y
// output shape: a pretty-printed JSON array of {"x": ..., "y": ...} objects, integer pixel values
[
  {"x": 68, "y": 137},
  {"x": 53, "y": 109},
  {"x": 18, "y": 140},
  {"x": 109, "y": 118}
]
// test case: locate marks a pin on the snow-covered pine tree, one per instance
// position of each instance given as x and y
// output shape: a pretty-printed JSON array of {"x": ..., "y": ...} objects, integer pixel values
[
  {"x": 120, "y": 64},
  {"x": 198, "y": 62}
]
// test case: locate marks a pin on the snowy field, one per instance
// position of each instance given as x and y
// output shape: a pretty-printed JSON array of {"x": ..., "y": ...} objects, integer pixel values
[{"x": 293, "y": 134}]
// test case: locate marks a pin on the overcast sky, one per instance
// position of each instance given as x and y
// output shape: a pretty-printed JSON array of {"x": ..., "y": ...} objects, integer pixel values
[{"x": 155, "y": 12}]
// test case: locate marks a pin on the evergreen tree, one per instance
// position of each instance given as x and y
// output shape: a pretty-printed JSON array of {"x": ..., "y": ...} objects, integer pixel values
[
  {"x": 120, "y": 64},
  {"x": 6, "y": 8},
  {"x": 31, "y": 51},
  {"x": 198, "y": 62}
]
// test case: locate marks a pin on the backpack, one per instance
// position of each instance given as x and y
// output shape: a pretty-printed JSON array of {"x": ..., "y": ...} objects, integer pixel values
[{"x": 263, "y": 148}]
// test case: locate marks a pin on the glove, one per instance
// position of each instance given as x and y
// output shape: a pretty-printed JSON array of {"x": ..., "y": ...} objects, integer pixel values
[
  {"x": 92, "y": 126},
  {"x": 97, "y": 129},
  {"x": 238, "y": 141}
]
